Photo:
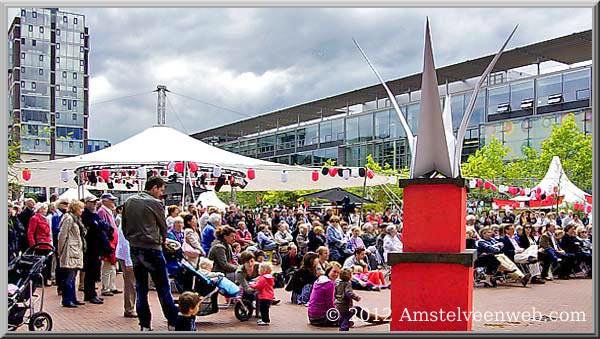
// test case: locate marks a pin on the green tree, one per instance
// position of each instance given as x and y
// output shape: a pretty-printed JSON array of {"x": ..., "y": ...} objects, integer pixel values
[{"x": 574, "y": 149}]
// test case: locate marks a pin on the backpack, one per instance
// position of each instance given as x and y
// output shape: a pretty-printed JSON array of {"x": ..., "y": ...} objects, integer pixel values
[{"x": 279, "y": 280}]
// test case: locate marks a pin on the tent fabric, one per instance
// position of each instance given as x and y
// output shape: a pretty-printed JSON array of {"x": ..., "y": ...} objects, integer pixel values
[
  {"x": 210, "y": 198},
  {"x": 337, "y": 195},
  {"x": 72, "y": 194},
  {"x": 159, "y": 145},
  {"x": 556, "y": 177}
]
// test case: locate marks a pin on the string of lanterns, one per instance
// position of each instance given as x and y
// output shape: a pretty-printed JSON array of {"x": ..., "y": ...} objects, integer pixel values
[{"x": 132, "y": 176}]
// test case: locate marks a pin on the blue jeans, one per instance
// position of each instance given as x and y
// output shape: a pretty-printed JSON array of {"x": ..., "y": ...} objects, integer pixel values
[
  {"x": 68, "y": 285},
  {"x": 148, "y": 261}
]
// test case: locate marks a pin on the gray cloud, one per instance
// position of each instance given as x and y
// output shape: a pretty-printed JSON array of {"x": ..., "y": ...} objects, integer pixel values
[{"x": 258, "y": 60}]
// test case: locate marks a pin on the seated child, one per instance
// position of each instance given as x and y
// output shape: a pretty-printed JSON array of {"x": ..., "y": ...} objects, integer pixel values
[
  {"x": 189, "y": 304},
  {"x": 205, "y": 267},
  {"x": 360, "y": 280},
  {"x": 237, "y": 249}
]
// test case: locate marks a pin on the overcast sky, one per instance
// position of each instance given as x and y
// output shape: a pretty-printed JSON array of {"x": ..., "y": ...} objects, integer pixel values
[{"x": 258, "y": 60}]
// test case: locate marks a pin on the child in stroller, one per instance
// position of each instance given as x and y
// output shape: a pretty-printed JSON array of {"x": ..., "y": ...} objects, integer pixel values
[
  {"x": 24, "y": 276},
  {"x": 207, "y": 284}
]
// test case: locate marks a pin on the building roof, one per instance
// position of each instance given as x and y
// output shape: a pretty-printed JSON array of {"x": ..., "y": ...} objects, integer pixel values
[{"x": 567, "y": 49}]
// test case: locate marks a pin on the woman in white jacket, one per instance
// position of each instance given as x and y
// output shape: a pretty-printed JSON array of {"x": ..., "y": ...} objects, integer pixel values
[
  {"x": 192, "y": 247},
  {"x": 70, "y": 248},
  {"x": 391, "y": 242}
]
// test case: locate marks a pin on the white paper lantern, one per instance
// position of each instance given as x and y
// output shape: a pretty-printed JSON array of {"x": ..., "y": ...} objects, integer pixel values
[
  {"x": 346, "y": 174},
  {"x": 494, "y": 206},
  {"x": 527, "y": 191},
  {"x": 284, "y": 176},
  {"x": 472, "y": 183},
  {"x": 171, "y": 166},
  {"x": 65, "y": 175},
  {"x": 217, "y": 171},
  {"x": 354, "y": 173},
  {"x": 142, "y": 173}
]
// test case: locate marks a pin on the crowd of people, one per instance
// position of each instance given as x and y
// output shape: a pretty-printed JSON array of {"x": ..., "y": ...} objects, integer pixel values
[
  {"x": 533, "y": 246},
  {"x": 94, "y": 239},
  {"x": 323, "y": 257}
]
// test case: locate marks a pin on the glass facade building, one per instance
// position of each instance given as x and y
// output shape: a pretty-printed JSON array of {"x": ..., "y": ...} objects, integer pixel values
[
  {"x": 96, "y": 145},
  {"x": 519, "y": 112},
  {"x": 48, "y": 53}
]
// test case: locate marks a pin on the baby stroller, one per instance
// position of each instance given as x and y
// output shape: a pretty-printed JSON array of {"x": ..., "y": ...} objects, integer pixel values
[
  {"x": 24, "y": 277},
  {"x": 189, "y": 279}
]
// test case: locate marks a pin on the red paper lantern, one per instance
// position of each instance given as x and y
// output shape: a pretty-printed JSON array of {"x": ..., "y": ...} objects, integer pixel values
[
  {"x": 588, "y": 209},
  {"x": 193, "y": 166},
  {"x": 26, "y": 173},
  {"x": 104, "y": 174},
  {"x": 487, "y": 185},
  {"x": 333, "y": 171},
  {"x": 370, "y": 174},
  {"x": 251, "y": 174},
  {"x": 522, "y": 192},
  {"x": 178, "y": 167},
  {"x": 315, "y": 176},
  {"x": 479, "y": 183},
  {"x": 494, "y": 188},
  {"x": 555, "y": 189}
]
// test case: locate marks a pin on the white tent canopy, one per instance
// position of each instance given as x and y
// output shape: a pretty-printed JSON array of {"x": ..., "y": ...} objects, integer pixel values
[
  {"x": 161, "y": 144},
  {"x": 209, "y": 198},
  {"x": 556, "y": 177},
  {"x": 71, "y": 194}
]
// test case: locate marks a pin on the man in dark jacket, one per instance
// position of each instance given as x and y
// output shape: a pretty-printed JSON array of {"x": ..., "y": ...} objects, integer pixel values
[
  {"x": 98, "y": 244},
  {"x": 290, "y": 262},
  {"x": 24, "y": 218},
  {"x": 145, "y": 227}
]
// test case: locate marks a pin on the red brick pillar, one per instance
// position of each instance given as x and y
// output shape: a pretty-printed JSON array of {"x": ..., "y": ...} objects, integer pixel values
[{"x": 432, "y": 279}]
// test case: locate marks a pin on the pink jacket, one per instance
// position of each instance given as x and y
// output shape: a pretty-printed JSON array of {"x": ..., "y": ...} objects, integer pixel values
[{"x": 108, "y": 217}]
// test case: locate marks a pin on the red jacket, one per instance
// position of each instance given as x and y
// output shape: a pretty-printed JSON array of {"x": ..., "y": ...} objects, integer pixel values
[
  {"x": 243, "y": 237},
  {"x": 38, "y": 231},
  {"x": 264, "y": 286}
]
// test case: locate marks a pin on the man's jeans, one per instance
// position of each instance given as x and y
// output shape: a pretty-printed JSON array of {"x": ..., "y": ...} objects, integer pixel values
[{"x": 148, "y": 261}]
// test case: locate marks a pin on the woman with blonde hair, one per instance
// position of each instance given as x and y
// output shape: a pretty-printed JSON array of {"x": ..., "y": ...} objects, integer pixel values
[{"x": 70, "y": 248}]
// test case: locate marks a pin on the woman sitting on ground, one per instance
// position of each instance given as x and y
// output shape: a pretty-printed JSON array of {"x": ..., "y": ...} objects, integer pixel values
[
  {"x": 221, "y": 252},
  {"x": 322, "y": 300},
  {"x": 323, "y": 254},
  {"x": 302, "y": 280},
  {"x": 316, "y": 238}
]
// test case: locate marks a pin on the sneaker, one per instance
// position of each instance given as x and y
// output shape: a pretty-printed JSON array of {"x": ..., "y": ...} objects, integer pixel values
[
  {"x": 276, "y": 302},
  {"x": 116, "y": 291},
  {"x": 170, "y": 327},
  {"x": 525, "y": 279},
  {"x": 107, "y": 294},
  {"x": 130, "y": 315},
  {"x": 143, "y": 329},
  {"x": 262, "y": 323}
]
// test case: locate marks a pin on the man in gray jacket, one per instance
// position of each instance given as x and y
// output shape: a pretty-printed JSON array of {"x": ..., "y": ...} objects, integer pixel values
[{"x": 145, "y": 227}]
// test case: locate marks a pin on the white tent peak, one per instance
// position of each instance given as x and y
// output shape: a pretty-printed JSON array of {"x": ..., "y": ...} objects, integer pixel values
[{"x": 556, "y": 177}]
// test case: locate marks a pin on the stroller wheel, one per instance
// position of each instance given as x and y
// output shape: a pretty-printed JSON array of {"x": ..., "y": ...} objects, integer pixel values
[
  {"x": 40, "y": 321},
  {"x": 243, "y": 310}
]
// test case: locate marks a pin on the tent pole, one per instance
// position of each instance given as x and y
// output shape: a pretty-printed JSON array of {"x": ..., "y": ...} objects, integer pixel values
[
  {"x": 183, "y": 187},
  {"x": 191, "y": 187},
  {"x": 363, "y": 196}
]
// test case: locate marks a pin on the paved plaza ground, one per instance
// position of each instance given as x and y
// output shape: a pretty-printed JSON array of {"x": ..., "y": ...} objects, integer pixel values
[{"x": 559, "y": 295}]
